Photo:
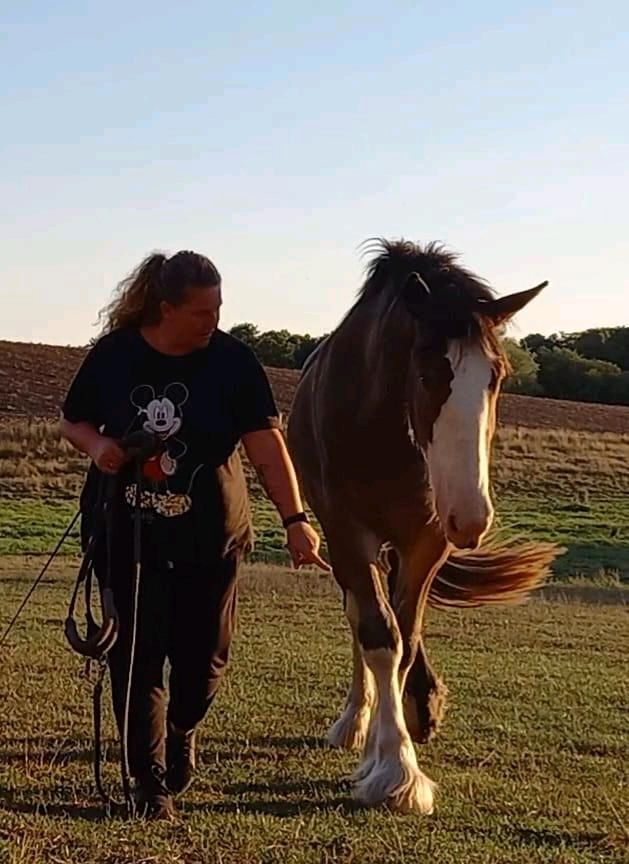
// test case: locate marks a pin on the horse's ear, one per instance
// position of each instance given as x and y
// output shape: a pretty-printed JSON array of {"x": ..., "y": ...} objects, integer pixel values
[
  {"x": 502, "y": 309},
  {"x": 416, "y": 293}
]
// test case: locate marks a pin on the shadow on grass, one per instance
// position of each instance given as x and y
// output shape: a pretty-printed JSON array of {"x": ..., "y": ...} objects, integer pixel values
[
  {"x": 45, "y": 750},
  {"x": 46, "y": 757},
  {"x": 545, "y": 838},
  {"x": 303, "y": 742},
  {"x": 280, "y": 809},
  {"x": 48, "y": 750},
  {"x": 270, "y": 806},
  {"x": 258, "y": 745},
  {"x": 285, "y": 788},
  {"x": 9, "y": 800}
]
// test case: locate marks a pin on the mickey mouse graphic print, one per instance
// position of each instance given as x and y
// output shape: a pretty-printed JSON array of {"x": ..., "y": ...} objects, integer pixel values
[
  {"x": 194, "y": 499},
  {"x": 162, "y": 415}
]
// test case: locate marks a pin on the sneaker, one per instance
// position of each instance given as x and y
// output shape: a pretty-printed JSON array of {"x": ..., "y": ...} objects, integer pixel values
[
  {"x": 180, "y": 759},
  {"x": 153, "y": 799}
]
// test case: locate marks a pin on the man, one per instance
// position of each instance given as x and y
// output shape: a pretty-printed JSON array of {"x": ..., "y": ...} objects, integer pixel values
[{"x": 163, "y": 366}]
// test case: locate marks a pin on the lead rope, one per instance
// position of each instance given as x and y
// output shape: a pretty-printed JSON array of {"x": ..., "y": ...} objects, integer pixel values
[
  {"x": 137, "y": 569},
  {"x": 125, "y": 769},
  {"x": 84, "y": 575},
  {"x": 129, "y": 797},
  {"x": 97, "y": 694},
  {"x": 97, "y": 702}
]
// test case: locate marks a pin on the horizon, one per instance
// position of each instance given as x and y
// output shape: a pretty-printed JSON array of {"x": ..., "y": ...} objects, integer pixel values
[
  {"x": 277, "y": 142},
  {"x": 512, "y": 335}
]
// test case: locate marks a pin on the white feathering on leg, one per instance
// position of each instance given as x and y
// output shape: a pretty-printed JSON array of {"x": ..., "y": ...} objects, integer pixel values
[{"x": 389, "y": 772}]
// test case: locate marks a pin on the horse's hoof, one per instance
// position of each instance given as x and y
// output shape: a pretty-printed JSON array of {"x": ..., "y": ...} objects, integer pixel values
[
  {"x": 417, "y": 796},
  {"x": 395, "y": 782}
]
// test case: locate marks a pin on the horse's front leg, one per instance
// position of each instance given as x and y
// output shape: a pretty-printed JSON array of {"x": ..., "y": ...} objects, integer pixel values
[
  {"x": 350, "y": 730},
  {"x": 389, "y": 772},
  {"x": 412, "y": 571}
]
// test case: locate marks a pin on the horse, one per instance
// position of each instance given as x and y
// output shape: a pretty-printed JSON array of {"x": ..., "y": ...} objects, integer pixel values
[{"x": 390, "y": 432}]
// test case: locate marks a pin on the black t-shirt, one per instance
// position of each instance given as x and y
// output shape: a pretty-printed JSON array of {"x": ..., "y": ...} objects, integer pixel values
[{"x": 194, "y": 496}]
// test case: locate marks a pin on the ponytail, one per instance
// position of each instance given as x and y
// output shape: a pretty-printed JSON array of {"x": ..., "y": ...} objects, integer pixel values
[{"x": 138, "y": 297}]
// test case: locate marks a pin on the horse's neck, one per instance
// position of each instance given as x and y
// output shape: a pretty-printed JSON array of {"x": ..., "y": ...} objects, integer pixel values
[
  {"x": 360, "y": 393},
  {"x": 313, "y": 355},
  {"x": 372, "y": 350}
]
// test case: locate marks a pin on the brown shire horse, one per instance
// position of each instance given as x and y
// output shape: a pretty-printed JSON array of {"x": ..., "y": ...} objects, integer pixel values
[{"x": 390, "y": 431}]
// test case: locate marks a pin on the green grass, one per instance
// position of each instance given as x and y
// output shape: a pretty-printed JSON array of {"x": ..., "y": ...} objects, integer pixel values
[
  {"x": 595, "y": 534},
  {"x": 32, "y": 526},
  {"x": 531, "y": 764},
  {"x": 548, "y": 484}
]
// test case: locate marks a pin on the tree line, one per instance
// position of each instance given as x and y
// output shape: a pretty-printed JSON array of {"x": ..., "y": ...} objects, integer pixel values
[{"x": 587, "y": 366}]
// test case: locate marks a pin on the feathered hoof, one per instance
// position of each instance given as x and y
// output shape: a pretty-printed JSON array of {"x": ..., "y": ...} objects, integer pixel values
[
  {"x": 364, "y": 769},
  {"x": 398, "y": 784},
  {"x": 425, "y": 719},
  {"x": 369, "y": 755},
  {"x": 349, "y": 732}
]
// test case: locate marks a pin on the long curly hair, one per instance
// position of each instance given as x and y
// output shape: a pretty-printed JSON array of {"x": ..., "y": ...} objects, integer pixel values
[{"x": 157, "y": 278}]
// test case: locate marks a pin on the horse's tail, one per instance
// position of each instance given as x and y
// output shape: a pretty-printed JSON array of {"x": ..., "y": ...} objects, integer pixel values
[{"x": 496, "y": 574}]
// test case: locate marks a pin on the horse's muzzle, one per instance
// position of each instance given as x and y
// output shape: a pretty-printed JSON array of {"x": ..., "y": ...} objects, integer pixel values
[{"x": 467, "y": 532}]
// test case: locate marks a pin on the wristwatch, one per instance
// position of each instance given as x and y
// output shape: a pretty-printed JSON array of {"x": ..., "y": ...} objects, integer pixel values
[{"x": 292, "y": 520}]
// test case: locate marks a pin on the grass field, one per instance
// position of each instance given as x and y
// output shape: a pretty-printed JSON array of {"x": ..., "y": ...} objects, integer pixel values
[
  {"x": 531, "y": 764},
  {"x": 550, "y": 484}
]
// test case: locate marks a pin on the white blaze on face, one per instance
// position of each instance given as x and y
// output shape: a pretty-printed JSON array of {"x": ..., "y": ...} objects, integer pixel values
[{"x": 458, "y": 457}]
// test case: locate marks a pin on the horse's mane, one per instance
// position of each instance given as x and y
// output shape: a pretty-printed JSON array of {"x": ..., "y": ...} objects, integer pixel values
[
  {"x": 454, "y": 291},
  {"x": 396, "y": 259}
]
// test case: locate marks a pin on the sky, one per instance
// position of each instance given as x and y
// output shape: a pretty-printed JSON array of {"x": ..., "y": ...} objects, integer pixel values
[{"x": 276, "y": 138}]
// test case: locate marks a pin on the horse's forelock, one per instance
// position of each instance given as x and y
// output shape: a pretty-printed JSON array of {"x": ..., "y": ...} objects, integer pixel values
[
  {"x": 394, "y": 260},
  {"x": 452, "y": 309}
]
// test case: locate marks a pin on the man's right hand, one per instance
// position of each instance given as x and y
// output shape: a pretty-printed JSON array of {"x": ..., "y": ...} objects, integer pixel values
[{"x": 107, "y": 455}]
